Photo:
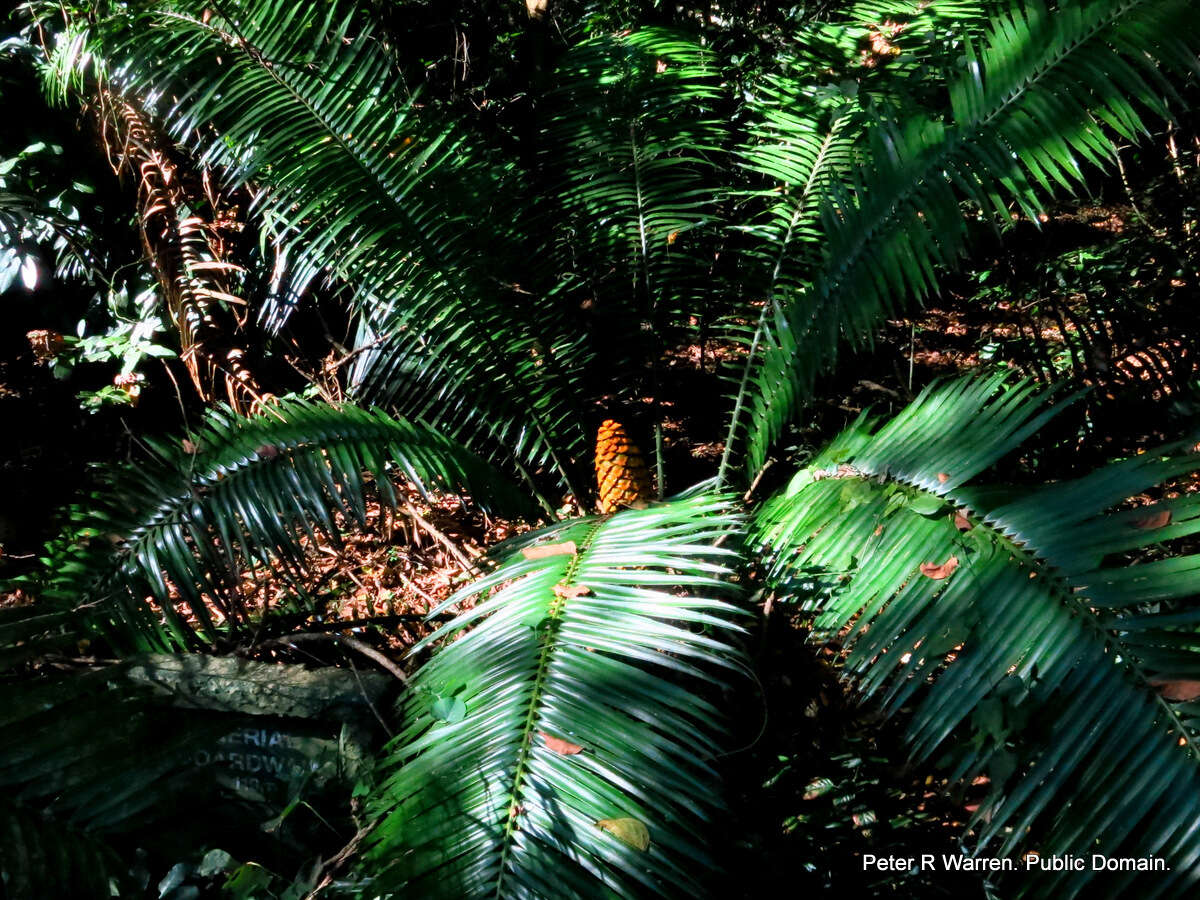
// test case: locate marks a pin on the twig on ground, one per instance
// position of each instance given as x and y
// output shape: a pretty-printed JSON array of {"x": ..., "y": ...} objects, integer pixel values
[
  {"x": 465, "y": 561},
  {"x": 337, "y": 861},
  {"x": 416, "y": 588},
  {"x": 353, "y": 643},
  {"x": 367, "y": 697}
]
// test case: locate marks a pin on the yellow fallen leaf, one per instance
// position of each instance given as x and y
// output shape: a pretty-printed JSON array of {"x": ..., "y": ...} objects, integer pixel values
[
  {"x": 1178, "y": 690},
  {"x": 1154, "y": 520},
  {"x": 571, "y": 590},
  {"x": 627, "y": 831},
  {"x": 566, "y": 548},
  {"x": 559, "y": 745},
  {"x": 936, "y": 572}
]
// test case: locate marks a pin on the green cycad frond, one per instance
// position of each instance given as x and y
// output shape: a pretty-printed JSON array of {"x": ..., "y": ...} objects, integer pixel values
[
  {"x": 27, "y": 632},
  {"x": 71, "y": 60},
  {"x": 804, "y": 147},
  {"x": 801, "y": 145},
  {"x": 397, "y": 372},
  {"x": 605, "y": 649},
  {"x": 303, "y": 99},
  {"x": 84, "y": 758},
  {"x": 807, "y": 134},
  {"x": 26, "y": 220},
  {"x": 1040, "y": 99},
  {"x": 241, "y": 492},
  {"x": 108, "y": 757},
  {"x": 1012, "y": 619},
  {"x": 63, "y": 756},
  {"x": 631, "y": 149},
  {"x": 35, "y": 852}
]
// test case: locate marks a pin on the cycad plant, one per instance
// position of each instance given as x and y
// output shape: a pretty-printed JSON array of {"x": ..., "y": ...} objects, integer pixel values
[{"x": 563, "y": 730}]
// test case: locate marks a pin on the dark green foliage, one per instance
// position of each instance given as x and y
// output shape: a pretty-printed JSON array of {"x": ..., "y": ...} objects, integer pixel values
[
  {"x": 632, "y": 152},
  {"x": 36, "y": 852},
  {"x": 366, "y": 185},
  {"x": 63, "y": 758},
  {"x": 513, "y": 259},
  {"x": 86, "y": 759},
  {"x": 1045, "y": 658},
  {"x": 1044, "y": 95}
]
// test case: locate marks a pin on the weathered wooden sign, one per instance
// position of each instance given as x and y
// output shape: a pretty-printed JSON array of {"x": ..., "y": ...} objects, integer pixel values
[{"x": 290, "y": 726}]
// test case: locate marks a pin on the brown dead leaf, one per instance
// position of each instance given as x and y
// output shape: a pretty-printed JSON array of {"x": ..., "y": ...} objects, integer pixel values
[
  {"x": 566, "y": 548},
  {"x": 267, "y": 451},
  {"x": 560, "y": 746},
  {"x": 878, "y": 530},
  {"x": 961, "y": 522},
  {"x": 1154, "y": 520},
  {"x": 1178, "y": 690},
  {"x": 942, "y": 477},
  {"x": 571, "y": 590},
  {"x": 936, "y": 572}
]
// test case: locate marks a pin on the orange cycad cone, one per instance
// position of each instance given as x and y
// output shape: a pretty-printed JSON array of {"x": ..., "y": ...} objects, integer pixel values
[{"x": 620, "y": 471}]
